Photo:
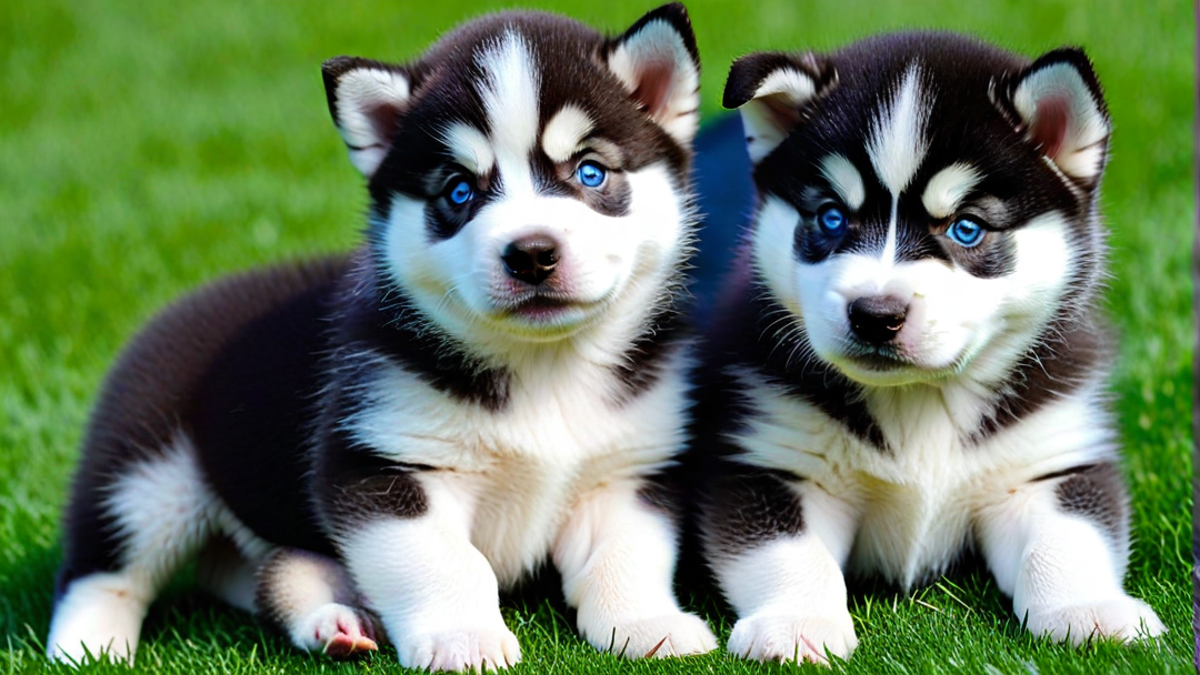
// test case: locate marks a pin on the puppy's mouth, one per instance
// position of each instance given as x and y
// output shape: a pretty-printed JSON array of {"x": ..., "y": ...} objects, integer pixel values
[
  {"x": 877, "y": 357},
  {"x": 887, "y": 365},
  {"x": 547, "y": 311},
  {"x": 540, "y": 307}
]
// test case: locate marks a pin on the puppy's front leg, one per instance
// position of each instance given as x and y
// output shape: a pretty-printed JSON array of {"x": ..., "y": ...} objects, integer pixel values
[
  {"x": 405, "y": 540},
  {"x": 1059, "y": 547},
  {"x": 617, "y": 556},
  {"x": 776, "y": 548}
]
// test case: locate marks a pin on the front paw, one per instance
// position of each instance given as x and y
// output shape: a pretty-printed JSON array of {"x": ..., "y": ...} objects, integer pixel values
[
  {"x": 784, "y": 637},
  {"x": 677, "y": 634},
  {"x": 1123, "y": 619},
  {"x": 460, "y": 650}
]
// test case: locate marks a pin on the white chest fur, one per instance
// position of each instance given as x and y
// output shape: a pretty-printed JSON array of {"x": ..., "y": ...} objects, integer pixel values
[
  {"x": 914, "y": 503},
  {"x": 517, "y": 472}
]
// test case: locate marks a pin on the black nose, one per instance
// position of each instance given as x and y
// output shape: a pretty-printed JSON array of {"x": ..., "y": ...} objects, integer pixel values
[
  {"x": 877, "y": 319},
  {"x": 531, "y": 260}
]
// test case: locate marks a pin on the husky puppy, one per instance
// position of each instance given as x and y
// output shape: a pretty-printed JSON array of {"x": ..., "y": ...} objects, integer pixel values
[
  {"x": 496, "y": 378},
  {"x": 908, "y": 363}
]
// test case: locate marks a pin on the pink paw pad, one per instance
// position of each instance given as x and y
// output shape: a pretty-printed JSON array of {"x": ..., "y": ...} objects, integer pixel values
[{"x": 352, "y": 637}]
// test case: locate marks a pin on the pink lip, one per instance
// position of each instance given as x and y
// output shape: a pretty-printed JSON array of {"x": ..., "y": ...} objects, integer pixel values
[{"x": 541, "y": 308}]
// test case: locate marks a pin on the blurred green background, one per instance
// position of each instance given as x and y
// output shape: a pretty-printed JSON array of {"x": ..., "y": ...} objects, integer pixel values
[{"x": 146, "y": 147}]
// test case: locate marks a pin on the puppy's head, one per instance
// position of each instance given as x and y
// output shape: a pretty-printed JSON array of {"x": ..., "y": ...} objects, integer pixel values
[
  {"x": 927, "y": 201},
  {"x": 528, "y": 175}
]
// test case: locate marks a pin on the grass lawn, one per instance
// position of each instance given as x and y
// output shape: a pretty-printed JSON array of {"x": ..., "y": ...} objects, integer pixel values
[{"x": 146, "y": 147}]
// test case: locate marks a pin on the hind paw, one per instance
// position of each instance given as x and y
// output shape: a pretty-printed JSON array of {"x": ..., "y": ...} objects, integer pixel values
[
  {"x": 336, "y": 630},
  {"x": 98, "y": 617}
]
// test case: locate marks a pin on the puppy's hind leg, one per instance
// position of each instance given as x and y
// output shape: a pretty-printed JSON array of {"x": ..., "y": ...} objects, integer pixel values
[
  {"x": 312, "y": 598},
  {"x": 227, "y": 573},
  {"x": 128, "y": 529}
]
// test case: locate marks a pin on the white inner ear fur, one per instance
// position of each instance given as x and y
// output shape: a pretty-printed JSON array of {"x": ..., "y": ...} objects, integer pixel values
[
  {"x": 774, "y": 110},
  {"x": 798, "y": 87},
  {"x": 362, "y": 97},
  {"x": 655, "y": 64},
  {"x": 1057, "y": 95}
]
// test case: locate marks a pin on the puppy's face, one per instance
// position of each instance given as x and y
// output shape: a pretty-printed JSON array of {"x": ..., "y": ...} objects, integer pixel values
[
  {"x": 527, "y": 175},
  {"x": 927, "y": 201}
]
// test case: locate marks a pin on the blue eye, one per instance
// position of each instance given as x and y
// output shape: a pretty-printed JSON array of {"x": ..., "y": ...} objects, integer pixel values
[
  {"x": 591, "y": 174},
  {"x": 966, "y": 232},
  {"x": 832, "y": 220},
  {"x": 460, "y": 193}
]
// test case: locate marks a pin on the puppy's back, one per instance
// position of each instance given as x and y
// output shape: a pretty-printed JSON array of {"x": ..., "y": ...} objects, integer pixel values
[{"x": 177, "y": 376}]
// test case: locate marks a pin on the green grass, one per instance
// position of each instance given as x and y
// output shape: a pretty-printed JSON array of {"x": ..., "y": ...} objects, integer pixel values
[{"x": 146, "y": 147}]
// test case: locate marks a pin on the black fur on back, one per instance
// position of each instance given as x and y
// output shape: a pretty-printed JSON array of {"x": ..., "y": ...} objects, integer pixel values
[{"x": 170, "y": 379}]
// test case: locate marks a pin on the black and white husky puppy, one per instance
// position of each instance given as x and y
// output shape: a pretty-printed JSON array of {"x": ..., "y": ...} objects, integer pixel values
[
  {"x": 496, "y": 378},
  {"x": 909, "y": 363}
]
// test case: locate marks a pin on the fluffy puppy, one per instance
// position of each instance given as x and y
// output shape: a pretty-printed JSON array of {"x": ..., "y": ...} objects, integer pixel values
[
  {"x": 494, "y": 379},
  {"x": 908, "y": 363}
]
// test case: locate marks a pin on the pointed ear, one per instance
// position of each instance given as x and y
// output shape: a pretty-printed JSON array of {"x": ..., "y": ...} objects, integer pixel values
[
  {"x": 657, "y": 61},
  {"x": 365, "y": 98},
  {"x": 1062, "y": 112},
  {"x": 773, "y": 89}
]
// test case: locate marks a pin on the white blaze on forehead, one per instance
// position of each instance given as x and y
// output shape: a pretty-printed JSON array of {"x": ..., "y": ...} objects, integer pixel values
[
  {"x": 470, "y": 148},
  {"x": 947, "y": 189},
  {"x": 565, "y": 132},
  {"x": 897, "y": 144},
  {"x": 845, "y": 179},
  {"x": 510, "y": 97}
]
